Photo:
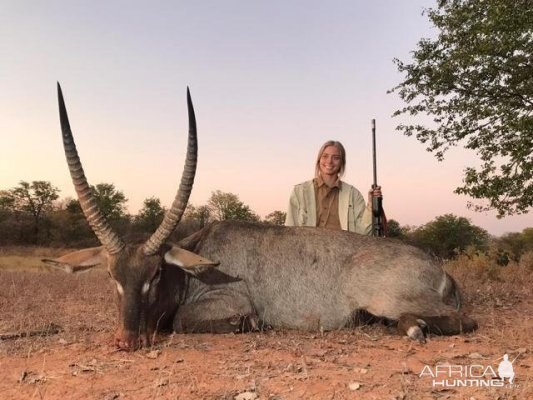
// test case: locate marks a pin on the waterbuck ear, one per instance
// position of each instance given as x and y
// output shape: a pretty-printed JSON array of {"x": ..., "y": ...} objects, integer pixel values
[
  {"x": 188, "y": 261},
  {"x": 79, "y": 261}
]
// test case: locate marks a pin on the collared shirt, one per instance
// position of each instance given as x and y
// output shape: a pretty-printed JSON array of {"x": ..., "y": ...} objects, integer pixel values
[
  {"x": 327, "y": 204},
  {"x": 354, "y": 214}
]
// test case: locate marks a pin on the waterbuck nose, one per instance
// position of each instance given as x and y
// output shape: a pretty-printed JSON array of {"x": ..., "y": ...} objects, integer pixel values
[{"x": 129, "y": 341}]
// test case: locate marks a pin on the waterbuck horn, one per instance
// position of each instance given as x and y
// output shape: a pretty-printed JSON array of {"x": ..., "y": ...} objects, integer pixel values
[
  {"x": 111, "y": 242},
  {"x": 174, "y": 214}
]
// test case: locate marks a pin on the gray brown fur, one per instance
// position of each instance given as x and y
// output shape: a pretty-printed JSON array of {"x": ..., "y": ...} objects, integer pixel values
[
  {"x": 309, "y": 278},
  {"x": 284, "y": 277}
]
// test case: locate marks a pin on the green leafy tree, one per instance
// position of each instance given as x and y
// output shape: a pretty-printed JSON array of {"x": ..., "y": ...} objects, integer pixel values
[
  {"x": 448, "y": 235},
  {"x": 394, "y": 229},
  {"x": 527, "y": 237},
  {"x": 35, "y": 200},
  {"x": 111, "y": 202},
  {"x": 8, "y": 222},
  {"x": 73, "y": 207},
  {"x": 475, "y": 80},
  {"x": 198, "y": 215},
  {"x": 7, "y": 201},
  {"x": 510, "y": 245},
  {"x": 150, "y": 215},
  {"x": 515, "y": 244},
  {"x": 276, "y": 218},
  {"x": 227, "y": 206},
  {"x": 69, "y": 226}
]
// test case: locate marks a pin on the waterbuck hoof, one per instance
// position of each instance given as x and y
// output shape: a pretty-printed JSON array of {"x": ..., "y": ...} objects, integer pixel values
[
  {"x": 130, "y": 342},
  {"x": 415, "y": 333}
]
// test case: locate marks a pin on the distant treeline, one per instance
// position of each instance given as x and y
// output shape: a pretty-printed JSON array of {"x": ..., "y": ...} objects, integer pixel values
[{"x": 33, "y": 214}]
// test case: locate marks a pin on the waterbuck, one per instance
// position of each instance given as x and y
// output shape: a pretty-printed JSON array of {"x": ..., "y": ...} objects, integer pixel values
[{"x": 239, "y": 276}]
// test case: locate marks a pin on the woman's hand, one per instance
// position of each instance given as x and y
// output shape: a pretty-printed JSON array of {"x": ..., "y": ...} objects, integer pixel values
[{"x": 374, "y": 192}]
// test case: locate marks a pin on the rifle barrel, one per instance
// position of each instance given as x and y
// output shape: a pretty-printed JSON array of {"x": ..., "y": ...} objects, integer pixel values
[{"x": 374, "y": 152}]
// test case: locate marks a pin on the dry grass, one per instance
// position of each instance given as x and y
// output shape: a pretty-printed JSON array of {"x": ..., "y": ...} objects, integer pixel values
[
  {"x": 23, "y": 258},
  {"x": 33, "y": 300},
  {"x": 31, "y": 251},
  {"x": 484, "y": 282},
  {"x": 526, "y": 260},
  {"x": 34, "y": 296},
  {"x": 498, "y": 295},
  {"x": 80, "y": 363}
]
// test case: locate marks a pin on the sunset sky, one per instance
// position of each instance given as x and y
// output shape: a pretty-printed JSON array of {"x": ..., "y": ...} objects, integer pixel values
[{"x": 270, "y": 81}]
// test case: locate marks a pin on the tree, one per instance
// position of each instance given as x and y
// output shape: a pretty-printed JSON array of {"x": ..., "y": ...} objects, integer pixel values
[
  {"x": 199, "y": 215},
  {"x": 150, "y": 215},
  {"x": 72, "y": 206},
  {"x": 34, "y": 199},
  {"x": 448, "y": 235},
  {"x": 69, "y": 226},
  {"x": 527, "y": 237},
  {"x": 110, "y": 201},
  {"x": 227, "y": 206},
  {"x": 7, "y": 201},
  {"x": 394, "y": 229},
  {"x": 8, "y": 224},
  {"x": 476, "y": 82},
  {"x": 276, "y": 218},
  {"x": 516, "y": 244}
]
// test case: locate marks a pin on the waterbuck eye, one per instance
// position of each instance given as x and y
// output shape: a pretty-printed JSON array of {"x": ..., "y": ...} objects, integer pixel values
[{"x": 145, "y": 288}]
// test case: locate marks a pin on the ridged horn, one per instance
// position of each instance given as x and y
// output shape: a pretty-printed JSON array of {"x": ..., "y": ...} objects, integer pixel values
[
  {"x": 174, "y": 214},
  {"x": 111, "y": 242}
]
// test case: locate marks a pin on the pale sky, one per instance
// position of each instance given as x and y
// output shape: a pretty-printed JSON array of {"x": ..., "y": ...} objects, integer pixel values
[{"x": 270, "y": 81}]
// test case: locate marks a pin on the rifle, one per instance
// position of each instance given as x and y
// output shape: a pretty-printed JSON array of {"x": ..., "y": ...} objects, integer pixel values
[{"x": 378, "y": 216}]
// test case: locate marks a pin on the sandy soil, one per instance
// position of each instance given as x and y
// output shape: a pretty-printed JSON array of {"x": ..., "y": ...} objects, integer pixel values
[{"x": 371, "y": 362}]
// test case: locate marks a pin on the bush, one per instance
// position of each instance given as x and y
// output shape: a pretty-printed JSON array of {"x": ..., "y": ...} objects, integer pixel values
[{"x": 526, "y": 260}]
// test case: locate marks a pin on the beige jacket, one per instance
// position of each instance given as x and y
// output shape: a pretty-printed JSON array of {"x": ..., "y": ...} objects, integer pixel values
[{"x": 354, "y": 215}]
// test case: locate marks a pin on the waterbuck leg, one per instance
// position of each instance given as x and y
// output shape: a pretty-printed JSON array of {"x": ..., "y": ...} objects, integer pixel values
[
  {"x": 451, "y": 324},
  {"x": 412, "y": 326},
  {"x": 220, "y": 313}
]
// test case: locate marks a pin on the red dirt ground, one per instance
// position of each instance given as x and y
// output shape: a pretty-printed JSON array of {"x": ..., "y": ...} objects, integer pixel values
[{"x": 370, "y": 362}]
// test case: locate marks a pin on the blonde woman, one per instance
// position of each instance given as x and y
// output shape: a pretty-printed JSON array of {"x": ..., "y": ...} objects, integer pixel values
[{"x": 326, "y": 201}]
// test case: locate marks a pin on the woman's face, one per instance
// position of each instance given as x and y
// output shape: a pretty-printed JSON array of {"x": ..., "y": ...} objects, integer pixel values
[{"x": 330, "y": 161}]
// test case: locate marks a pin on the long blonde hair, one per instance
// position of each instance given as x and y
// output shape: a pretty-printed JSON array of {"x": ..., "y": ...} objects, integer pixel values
[{"x": 340, "y": 147}]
